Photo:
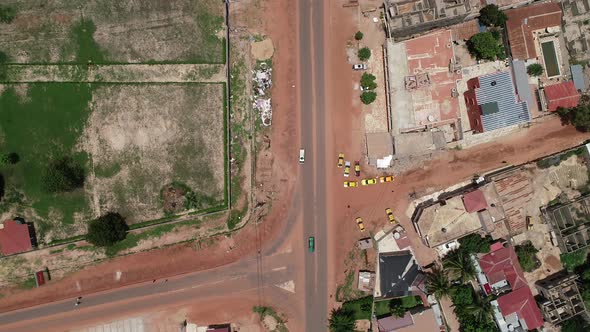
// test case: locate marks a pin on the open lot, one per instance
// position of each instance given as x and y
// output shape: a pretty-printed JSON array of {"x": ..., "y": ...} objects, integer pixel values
[
  {"x": 105, "y": 31},
  {"x": 143, "y": 147}
]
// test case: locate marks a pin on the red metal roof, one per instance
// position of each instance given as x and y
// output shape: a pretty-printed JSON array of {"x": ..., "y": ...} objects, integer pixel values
[
  {"x": 562, "y": 94},
  {"x": 14, "y": 238},
  {"x": 502, "y": 264},
  {"x": 522, "y": 302},
  {"x": 475, "y": 201},
  {"x": 523, "y": 21}
]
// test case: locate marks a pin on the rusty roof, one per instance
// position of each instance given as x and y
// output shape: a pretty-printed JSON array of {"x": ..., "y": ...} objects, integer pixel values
[
  {"x": 465, "y": 30},
  {"x": 523, "y": 21}
]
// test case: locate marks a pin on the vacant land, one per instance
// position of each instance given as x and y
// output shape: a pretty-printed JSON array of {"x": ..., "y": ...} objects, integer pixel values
[
  {"x": 144, "y": 148},
  {"x": 106, "y": 31}
]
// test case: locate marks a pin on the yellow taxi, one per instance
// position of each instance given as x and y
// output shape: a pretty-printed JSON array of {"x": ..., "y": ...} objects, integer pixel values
[
  {"x": 359, "y": 223},
  {"x": 390, "y": 216},
  {"x": 351, "y": 184},
  {"x": 340, "y": 160}
]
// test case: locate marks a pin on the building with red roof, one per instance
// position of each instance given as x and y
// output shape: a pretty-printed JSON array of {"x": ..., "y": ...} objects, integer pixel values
[
  {"x": 502, "y": 274},
  {"x": 474, "y": 201},
  {"x": 562, "y": 94},
  {"x": 15, "y": 237}
]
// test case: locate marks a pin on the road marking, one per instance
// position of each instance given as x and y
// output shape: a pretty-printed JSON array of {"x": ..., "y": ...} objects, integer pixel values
[
  {"x": 118, "y": 275},
  {"x": 279, "y": 268},
  {"x": 289, "y": 286}
]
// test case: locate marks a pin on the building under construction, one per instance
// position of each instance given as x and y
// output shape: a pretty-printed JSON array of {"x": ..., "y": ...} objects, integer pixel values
[{"x": 560, "y": 297}]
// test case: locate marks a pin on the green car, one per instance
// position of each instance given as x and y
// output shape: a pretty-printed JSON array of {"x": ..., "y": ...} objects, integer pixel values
[{"x": 311, "y": 243}]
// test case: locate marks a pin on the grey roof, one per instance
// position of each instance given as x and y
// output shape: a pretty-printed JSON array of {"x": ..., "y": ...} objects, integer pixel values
[
  {"x": 397, "y": 272},
  {"x": 578, "y": 77},
  {"x": 498, "y": 88},
  {"x": 521, "y": 80}
]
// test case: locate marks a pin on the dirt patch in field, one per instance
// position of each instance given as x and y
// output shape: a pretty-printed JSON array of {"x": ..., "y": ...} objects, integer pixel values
[
  {"x": 143, "y": 137},
  {"x": 262, "y": 50}
]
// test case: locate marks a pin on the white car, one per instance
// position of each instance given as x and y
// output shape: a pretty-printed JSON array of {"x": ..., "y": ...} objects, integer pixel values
[
  {"x": 347, "y": 169},
  {"x": 301, "y": 156},
  {"x": 359, "y": 66}
]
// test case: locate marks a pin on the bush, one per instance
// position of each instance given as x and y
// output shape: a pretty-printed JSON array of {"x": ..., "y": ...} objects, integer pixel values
[
  {"x": 364, "y": 54},
  {"x": 527, "y": 256},
  {"x": 3, "y": 60},
  {"x": 9, "y": 158},
  {"x": 368, "y": 81},
  {"x": 484, "y": 46},
  {"x": 358, "y": 35},
  {"x": 107, "y": 230},
  {"x": 462, "y": 295},
  {"x": 368, "y": 97},
  {"x": 474, "y": 244},
  {"x": 572, "y": 260},
  {"x": 63, "y": 175},
  {"x": 491, "y": 15},
  {"x": 535, "y": 69},
  {"x": 578, "y": 117},
  {"x": 361, "y": 308},
  {"x": 341, "y": 320},
  {"x": 7, "y": 14}
]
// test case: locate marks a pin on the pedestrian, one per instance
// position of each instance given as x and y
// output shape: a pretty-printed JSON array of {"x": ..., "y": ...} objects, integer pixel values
[
  {"x": 166, "y": 280},
  {"x": 154, "y": 281}
]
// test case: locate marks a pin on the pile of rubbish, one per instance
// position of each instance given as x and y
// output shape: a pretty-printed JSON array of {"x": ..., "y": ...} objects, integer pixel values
[{"x": 262, "y": 83}]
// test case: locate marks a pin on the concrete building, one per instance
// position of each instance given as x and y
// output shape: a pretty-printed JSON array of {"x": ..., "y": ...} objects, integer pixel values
[
  {"x": 571, "y": 223},
  {"x": 560, "y": 297}
]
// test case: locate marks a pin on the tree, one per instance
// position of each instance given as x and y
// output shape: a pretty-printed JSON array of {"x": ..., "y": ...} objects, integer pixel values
[
  {"x": 437, "y": 282},
  {"x": 578, "y": 117},
  {"x": 484, "y": 46},
  {"x": 368, "y": 97},
  {"x": 398, "y": 311},
  {"x": 491, "y": 15},
  {"x": 364, "y": 54},
  {"x": 535, "y": 69},
  {"x": 3, "y": 69},
  {"x": 480, "y": 309},
  {"x": 462, "y": 295},
  {"x": 460, "y": 266},
  {"x": 358, "y": 35},
  {"x": 107, "y": 230},
  {"x": 7, "y": 14},
  {"x": 474, "y": 244},
  {"x": 341, "y": 320},
  {"x": 368, "y": 81},
  {"x": 574, "y": 324},
  {"x": 62, "y": 175},
  {"x": 10, "y": 158},
  {"x": 527, "y": 256}
]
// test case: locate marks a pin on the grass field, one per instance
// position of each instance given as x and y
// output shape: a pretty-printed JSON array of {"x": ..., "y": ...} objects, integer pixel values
[
  {"x": 105, "y": 31},
  {"x": 133, "y": 140}
]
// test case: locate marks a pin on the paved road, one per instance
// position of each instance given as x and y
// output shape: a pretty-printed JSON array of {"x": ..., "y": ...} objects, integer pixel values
[{"x": 311, "y": 78}]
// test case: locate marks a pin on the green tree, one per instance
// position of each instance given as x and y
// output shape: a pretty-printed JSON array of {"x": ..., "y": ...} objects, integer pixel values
[
  {"x": 462, "y": 295},
  {"x": 364, "y": 54},
  {"x": 341, "y": 320},
  {"x": 3, "y": 69},
  {"x": 480, "y": 309},
  {"x": 474, "y": 244},
  {"x": 574, "y": 324},
  {"x": 62, "y": 175},
  {"x": 358, "y": 35},
  {"x": 368, "y": 97},
  {"x": 398, "y": 311},
  {"x": 7, "y": 14},
  {"x": 368, "y": 81},
  {"x": 578, "y": 117},
  {"x": 437, "y": 282},
  {"x": 535, "y": 69},
  {"x": 484, "y": 46},
  {"x": 107, "y": 230},
  {"x": 527, "y": 256},
  {"x": 460, "y": 266},
  {"x": 491, "y": 15},
  {"x": 10, "y": 158}
]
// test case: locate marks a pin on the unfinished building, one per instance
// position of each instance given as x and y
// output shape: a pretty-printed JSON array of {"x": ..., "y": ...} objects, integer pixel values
[
  {"x": 560, "y": 297},
  {"x": 571, "y": 223}
]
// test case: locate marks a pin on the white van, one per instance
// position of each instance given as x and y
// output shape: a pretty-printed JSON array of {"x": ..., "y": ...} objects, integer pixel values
[{"x": 301, "y": 156}]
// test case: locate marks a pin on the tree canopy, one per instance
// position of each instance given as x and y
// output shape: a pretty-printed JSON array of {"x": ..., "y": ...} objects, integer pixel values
[
  {"x": 437, "y": 282},
  {"x": 491, "y": 15},
  {"x": 9, "y": 158},
  {"x": 535, "y": 69},
  {"x": 107, "y": 230},
  {"x": 527, "y": 256},
  {"x": 368, "y": 81},
  {"x": 7, "y": 14},
  {"x": 368, "y": 97},
  {"x": 62, "y": 175},
  {"x": 484, "y": 46},
  {"x": 341, "y": 320},
  {"x": 364, "y": 54},
  {"x": 474, "y": 244},
  {"x": 578, "y": 117},
  {"x": 358, "y": 35}
]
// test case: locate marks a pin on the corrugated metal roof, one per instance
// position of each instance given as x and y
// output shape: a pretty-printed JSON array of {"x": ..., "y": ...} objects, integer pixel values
[
  {"x": 578, "y": 77},
  {"x": 562, "y": 94},
  {"x": 521, "y": 80},
  {"x": 499, "y": 88}
]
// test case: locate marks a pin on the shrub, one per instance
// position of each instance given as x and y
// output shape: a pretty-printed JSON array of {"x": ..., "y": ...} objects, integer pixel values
[
  {"x": 107, "y": 230},
  {"x": 341, "y": 320},
  {"x": 62, "y": 175},
  {"x": 364, "y": 54},
  {"x": 572, "y": 260},
  {"x": 368, "y": 97},
  {"x": 535, "y": 69},
  {"x": 368, "y": 81},
  {"x": 7, "y": 14},
  {"x": 9, "y": 158},
  {"x": 578, "y": 117},
  {"x": 527, "y": 256},
  {"x": 462, "y": 295},
  {"x": 474, "y": 244},
  {"x": 491, "y": 15},
  {"x": 358, "y": 35}
]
